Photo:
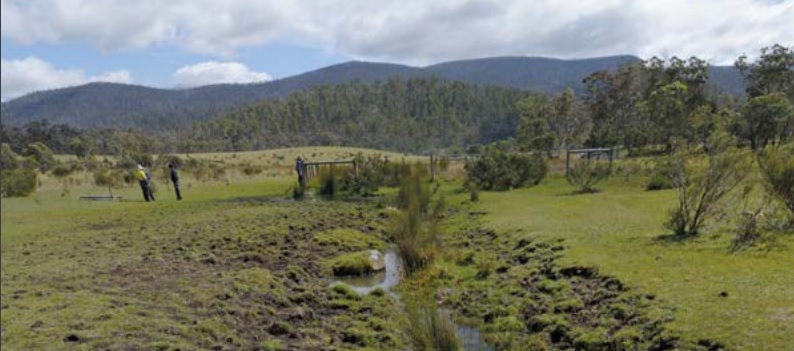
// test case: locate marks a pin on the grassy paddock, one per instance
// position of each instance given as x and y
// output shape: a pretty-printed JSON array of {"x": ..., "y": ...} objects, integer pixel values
[
  {"x": 66, "y": 261},
  {"x": 234, "y": 266},
  {"x": 618, "y": 231}
]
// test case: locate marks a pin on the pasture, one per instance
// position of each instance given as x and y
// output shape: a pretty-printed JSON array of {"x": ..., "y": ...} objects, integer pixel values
[{"x": 238, "y": 263}]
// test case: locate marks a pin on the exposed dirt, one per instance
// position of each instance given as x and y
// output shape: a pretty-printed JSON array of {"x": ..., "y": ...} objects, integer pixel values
[
  {"x": 530, "y": 302},
  {"x": 247, "y": 276}
]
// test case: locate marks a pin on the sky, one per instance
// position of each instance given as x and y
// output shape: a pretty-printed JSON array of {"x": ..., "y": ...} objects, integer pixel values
[{"x": 48, "y": 44}]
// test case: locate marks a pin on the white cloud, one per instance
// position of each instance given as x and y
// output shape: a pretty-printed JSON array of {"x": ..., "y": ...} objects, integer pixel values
[
  {"x": 23, "y": 76},
  {"x": 212, "y": 72},
  {"x": 415, "y": 31}
]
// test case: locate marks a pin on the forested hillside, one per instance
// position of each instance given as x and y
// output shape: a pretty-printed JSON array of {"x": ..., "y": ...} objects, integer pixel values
[
  {"x": 105, "y": 105},
  {"x": 408, "y": 115}
]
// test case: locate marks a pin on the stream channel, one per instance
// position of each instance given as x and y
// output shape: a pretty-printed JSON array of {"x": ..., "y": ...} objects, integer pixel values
[{"x": 470, "y": 338}]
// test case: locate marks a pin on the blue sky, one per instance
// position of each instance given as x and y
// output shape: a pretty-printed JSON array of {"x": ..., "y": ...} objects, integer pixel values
[
  {"x": 155, "y": 66},
  {"x": 49, "y": 44}
]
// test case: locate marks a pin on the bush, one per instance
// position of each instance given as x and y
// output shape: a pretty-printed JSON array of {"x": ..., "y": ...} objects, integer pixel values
[
  {"x": 165, "y": 160},
  {"x": 329, "y": 183},
  {"x": 366, "y": 177},
  {"x": 109, "y": 178},
  {"x": 503, "y": 170},
  {"x": 701, "y": 188},
  {"x": 662, "y": 175},
  {"x": 9, "y": 160},
  {"x": 18, "y": 182},
  {"x": 128, "y": 161},
  {"x": 298, "y": 192},
  {"x": 426, "y": 327},
  {"x": 415, "y": 230},
  {"x": 474, "y": 194},
  {"x": 586, "y": 174},
  {"x": 748, "y": 230},
  {"x": 42, "y": 154},
  {"x": 64, "y": 170},
  {"x": 777, "y": 168},
  {"x": 252, "y": 170}
]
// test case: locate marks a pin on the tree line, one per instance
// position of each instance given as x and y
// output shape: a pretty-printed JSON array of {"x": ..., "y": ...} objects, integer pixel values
[
  {"x": 650, "y": 105},
  {"x": 643, "y": 107}
]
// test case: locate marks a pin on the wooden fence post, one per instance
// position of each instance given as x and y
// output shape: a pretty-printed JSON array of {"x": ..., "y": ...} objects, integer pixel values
[{"x": 432, "y": 168}]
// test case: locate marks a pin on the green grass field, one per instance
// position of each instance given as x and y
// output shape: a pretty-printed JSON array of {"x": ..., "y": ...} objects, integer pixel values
[
  {"x": 618, "y": 230},
  {"x": 230, "y": 265}
]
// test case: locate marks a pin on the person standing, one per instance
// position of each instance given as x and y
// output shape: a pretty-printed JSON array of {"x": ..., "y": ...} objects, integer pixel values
[
  {"x": 143, "y": 180},
  {"x": 300, "y": 168},
  {"x": 175, "y": 179}
]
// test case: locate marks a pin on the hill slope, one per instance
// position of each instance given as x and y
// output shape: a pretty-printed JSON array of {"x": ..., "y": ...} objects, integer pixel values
[{"x": 99, "y": 105}]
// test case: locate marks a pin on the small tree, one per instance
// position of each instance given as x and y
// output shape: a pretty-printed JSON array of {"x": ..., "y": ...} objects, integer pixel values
[
  {"x": 109, "y": 178},
  {"x": 701, "y": 186},
  {"x": 767, "y": 118},
  {"x": 9, "y": 159},
  {"x": 586, "y": 174},
  {"x": 662, "y": 175},
  {"x": 18, "y": 182},
  {"x": 366, "y": 177},
  {"x": 499, "y": 170},
  {"x": 42, "y": 155},
  {"x": 777, "y": 169}
]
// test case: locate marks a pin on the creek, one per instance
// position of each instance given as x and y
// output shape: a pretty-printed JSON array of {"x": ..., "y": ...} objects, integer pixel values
[{"x": 470, "y": 338}]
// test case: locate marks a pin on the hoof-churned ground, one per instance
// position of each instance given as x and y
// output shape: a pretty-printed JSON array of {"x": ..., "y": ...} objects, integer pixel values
[
  {"x": 240, "y": 274},
  {"x": 515, "y": 289}
]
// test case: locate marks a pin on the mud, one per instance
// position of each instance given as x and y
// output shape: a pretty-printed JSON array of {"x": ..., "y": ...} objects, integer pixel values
[
  {"x": 531, "y": 302},
  {"x": 246, "y": 275}
]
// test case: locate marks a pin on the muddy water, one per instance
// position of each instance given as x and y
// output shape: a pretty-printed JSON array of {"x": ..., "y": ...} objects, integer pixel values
[
  {"x": 385, "y": 280},
  {"x": 470, "y": 338}
]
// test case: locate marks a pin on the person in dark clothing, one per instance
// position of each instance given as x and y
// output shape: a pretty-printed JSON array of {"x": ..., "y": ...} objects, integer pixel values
[
  {"x": 175, "y": 179},
  {"x": 299, "y": 167},
  {"x": 149, "y": 183}
]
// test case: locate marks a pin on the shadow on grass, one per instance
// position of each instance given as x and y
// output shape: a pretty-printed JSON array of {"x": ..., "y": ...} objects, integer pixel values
[
  {"x": 258, "y": 199},
  {"x": 675, "y": 238},
  {"x": 578, "y": 192}
]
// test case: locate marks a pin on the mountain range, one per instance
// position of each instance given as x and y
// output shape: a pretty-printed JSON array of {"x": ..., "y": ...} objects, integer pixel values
[{"x": 102, "y": 105}]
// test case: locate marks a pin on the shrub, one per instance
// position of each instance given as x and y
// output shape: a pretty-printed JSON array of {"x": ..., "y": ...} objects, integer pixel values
[
  {"x": 329, "y": 183},
  {"x": 662, "y": 175},
  {"x": 165, "y": 160},
  {"x": 110, "y": 178},
  {"x": 366, "y": 177},
  {"x": 252, "y": 170},
  {"x": 474, "y": 194},
  {"x": 298, "y": 192},
  {"x": 413, "y": 189},
  {"x": 64, "y": 170},
  {"x": 415, "y": 230},
  {"x": 500, "y": 170},
  {"x": 18, "y": 182},
  {"x": 701, "y": 188},
  {"x": 586, "y": 174},
  {"x": 777, "y": 169},
  {"x": 9, "y": 159},
  {"x": 427, "y": 328},
  {"x": 748, "y": 230},
  {"x": 129, "y": 160},
  {"x": 443, "y": 163},
  {"x": 42, "y": 154}
]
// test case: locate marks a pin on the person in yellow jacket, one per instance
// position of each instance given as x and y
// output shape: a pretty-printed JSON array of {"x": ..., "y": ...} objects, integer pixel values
[{"x": 144, "y": 180}]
